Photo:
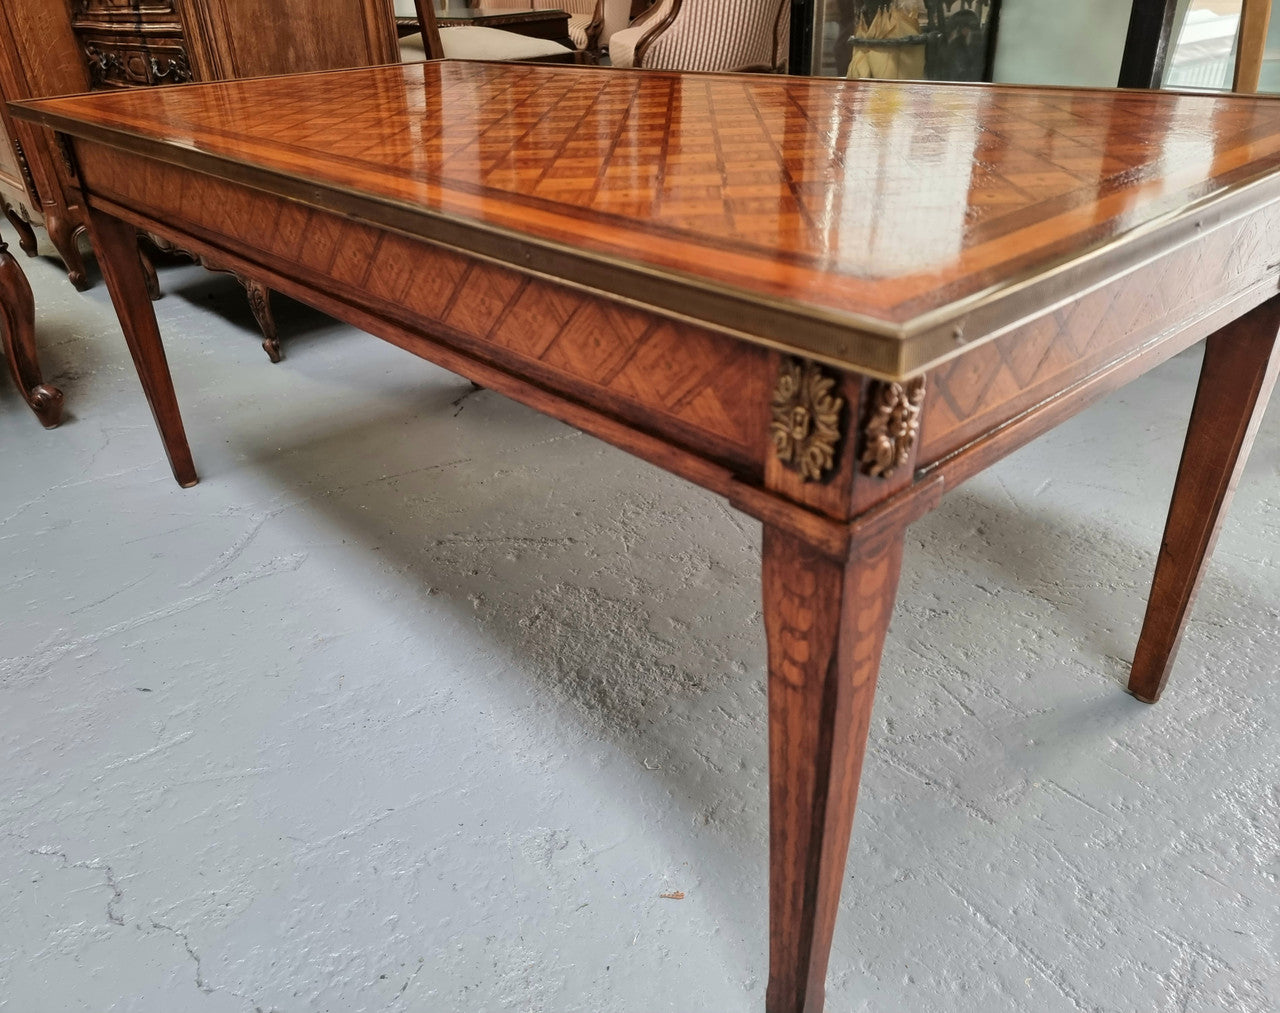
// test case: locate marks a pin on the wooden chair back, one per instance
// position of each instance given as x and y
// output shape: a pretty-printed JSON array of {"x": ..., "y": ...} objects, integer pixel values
[{"x": 430, "y": 30}]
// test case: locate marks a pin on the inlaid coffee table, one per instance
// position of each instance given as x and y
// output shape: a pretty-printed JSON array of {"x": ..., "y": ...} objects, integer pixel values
[
  {"x": 18, "y": 337},
  {"x": 830, "y": 302}
]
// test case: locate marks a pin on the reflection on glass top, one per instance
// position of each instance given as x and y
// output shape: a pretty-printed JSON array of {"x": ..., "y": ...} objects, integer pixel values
[{"x": 878, "y": 198}]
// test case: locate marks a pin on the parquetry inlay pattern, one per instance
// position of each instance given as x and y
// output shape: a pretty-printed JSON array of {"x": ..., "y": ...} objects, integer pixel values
[
  {"x": 702, "y": 381},
  {"x": 885, "y": 200}
]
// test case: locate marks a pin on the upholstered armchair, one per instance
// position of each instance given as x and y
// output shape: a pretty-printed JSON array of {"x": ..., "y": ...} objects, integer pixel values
[
  {"x": 707, "y": 35},
  {"x": 470, "y": 42},
  {"x": 592, "y": 23}
]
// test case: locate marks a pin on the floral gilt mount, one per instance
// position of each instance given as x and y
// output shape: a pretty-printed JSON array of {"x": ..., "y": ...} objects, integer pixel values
[
  {"x": 806, "y": 419},
  {"x": 893, "y": 426}
]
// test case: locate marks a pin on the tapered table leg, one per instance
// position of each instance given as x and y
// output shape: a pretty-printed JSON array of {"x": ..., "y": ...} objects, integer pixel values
[
  {"x": 117, "y": 246},
  {"x": 1241, "y": 362},
  {"x": 826, "y": 623},
  {"x": 17, "y": 331}
]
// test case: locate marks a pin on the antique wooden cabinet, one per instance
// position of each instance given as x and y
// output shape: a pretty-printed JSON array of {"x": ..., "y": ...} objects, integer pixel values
[
  {"x": 129, "y": 43},
  {"x": 143, "y": 43},
  {"x": 58, "y": 47},
  {"x": 39, "y": 56}
]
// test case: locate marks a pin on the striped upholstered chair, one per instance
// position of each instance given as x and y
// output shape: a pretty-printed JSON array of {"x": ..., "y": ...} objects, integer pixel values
[{"x": 707, "y": 35}]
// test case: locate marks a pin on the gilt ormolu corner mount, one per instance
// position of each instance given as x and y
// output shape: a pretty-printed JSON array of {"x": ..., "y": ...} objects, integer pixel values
[{"x": 809, "y": 419}]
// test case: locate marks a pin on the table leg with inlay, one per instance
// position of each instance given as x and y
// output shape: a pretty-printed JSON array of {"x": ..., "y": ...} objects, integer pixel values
[
  {"x": 121, "y": 263},
  {"x": 826, "y": 621},
  {"x": 17, "y": 330},
  {"x": 1241, "y": 363}
]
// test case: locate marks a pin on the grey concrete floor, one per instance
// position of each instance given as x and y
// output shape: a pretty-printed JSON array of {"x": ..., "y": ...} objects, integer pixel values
[{"x": 420, "y": 701}]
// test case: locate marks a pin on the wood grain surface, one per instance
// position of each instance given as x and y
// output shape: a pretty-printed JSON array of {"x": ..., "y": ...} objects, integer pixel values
[{"x": 877, "y": 225}]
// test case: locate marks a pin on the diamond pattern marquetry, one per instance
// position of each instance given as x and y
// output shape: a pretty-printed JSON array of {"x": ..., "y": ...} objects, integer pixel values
[
  {"x": 702, "y": 383},
  {"x": 874, "y": 200},
  {"x": 1011, "y": 374}
]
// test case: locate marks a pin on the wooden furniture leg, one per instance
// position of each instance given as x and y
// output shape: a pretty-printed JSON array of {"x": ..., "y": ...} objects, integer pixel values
[
  {"x": 260, "y": 302},
  {"x": 149, "y": 269},
  {"x": 1241, "y": 362},
  {"x": 64, "y": 233},
  {"x": 121, "y": 263},
  {"x": 826, "y": 623},
  {"x": 17, "y": 331},
  {"x": 26, "y": 234}
]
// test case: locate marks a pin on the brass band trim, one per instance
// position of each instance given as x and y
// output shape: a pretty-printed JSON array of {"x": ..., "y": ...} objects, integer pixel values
[{"x": 846, "y": 340}]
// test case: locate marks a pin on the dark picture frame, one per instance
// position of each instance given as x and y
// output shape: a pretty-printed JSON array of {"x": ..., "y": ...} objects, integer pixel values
[{"x": 959, "y": 36}]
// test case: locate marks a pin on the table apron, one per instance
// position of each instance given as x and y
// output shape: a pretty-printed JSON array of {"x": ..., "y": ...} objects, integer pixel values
[
  {"x": 1231, "y": 267},
  {"x": 685, "y": 385},
  {"x": 687, "y": 398}
]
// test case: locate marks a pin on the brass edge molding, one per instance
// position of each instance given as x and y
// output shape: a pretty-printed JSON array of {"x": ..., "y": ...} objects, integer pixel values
[
  {"x": 845, "y": 340},
  {"x": 893, "y": 426},
  {"x": 805, "y": 428}
]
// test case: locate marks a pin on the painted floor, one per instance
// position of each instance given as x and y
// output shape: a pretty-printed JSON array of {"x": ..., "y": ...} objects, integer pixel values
[{"x": 422, "y": 702}]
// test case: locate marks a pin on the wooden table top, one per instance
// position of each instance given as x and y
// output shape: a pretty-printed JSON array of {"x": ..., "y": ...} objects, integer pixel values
[{"x": 880, "y": 226}]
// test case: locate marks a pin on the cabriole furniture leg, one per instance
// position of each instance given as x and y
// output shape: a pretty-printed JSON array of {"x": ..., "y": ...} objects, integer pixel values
[
  {"x": 65, "y": 236},
  {"x": 17, "y": 328},
  {"x": 26, "y": 234},
  {"x": 260, "y": 302}
]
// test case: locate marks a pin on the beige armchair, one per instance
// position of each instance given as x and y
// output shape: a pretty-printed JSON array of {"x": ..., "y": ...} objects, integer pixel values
[
  {"x": 707, "y": 35},
  {"x": 469, "y": 42},
  {"x": 592, "y": 23}
]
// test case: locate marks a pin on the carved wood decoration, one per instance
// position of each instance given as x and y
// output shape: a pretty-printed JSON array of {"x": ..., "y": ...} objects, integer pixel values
[
  {"x": 806, "y": 419},
  {"x": 38, "y": 57},
  {"x": 67, "y": 156},
  {"x": 147, "y": 43},
  {"x": 25, "y": 167},
  {"x": 893, "y": 426},
  {"x": 130, "y": 67},
  {"x": 17, "y": 337}
]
